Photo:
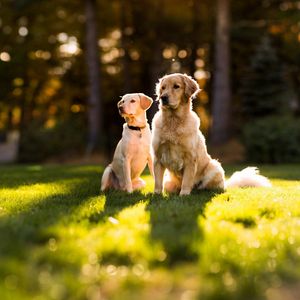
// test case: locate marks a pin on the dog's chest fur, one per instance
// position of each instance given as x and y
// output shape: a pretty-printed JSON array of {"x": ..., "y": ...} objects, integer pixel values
[
  {"x": 170, "y": 129},
  {"x": 171, "y": 156},
  {"x": 138, "y": 143},
  {"x": 171, "y": 148}
]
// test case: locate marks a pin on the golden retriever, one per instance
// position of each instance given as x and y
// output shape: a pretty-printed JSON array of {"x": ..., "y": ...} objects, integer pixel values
[
  {"x": 179, "y": 146},
  {"x": 133, "y": 151}
]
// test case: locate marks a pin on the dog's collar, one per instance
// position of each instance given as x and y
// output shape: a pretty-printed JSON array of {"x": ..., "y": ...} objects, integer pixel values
[{"x": 136, "y": 128}]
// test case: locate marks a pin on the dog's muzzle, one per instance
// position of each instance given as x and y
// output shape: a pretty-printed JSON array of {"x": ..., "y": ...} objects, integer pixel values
[
  {"x": 121, "y": 109},
  {"x": 164, "y": 100}
]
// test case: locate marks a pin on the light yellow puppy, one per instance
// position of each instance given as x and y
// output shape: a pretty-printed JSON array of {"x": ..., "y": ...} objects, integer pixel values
[
  {"x": 133, "y": 150},
  {"x": 179, "y": 146}
]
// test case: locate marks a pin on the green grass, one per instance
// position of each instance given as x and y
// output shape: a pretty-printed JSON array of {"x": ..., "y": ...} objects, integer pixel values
[{"x": 61, "y": 239}]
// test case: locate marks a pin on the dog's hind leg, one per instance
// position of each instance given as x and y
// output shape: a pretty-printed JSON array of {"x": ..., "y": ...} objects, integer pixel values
[
  {"x": 138, "y": 184},
  {"x": 109, "y": 179},
  {"x": 214, "y": 176}
]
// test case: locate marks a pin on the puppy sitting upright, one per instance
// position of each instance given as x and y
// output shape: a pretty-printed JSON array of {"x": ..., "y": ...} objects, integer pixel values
[{"x": 133, "y": 150}]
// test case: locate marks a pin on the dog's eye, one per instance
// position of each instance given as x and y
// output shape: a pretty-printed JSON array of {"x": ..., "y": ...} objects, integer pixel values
[
  {"x": 163, "y": 87},
  {"x": 176, "y": 86},
  {"x": 132, "y": 101}
]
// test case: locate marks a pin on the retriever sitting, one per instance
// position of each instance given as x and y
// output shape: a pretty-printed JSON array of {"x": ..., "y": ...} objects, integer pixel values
[{"x": 180, "y": 148}]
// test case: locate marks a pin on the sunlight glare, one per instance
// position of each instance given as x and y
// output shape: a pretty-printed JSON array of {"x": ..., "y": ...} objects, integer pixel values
[
  {"x": 62, "y": 37},
  {"x": 70, "y": 48},
  {"x": 201, "y": 74},
  {"x": 4, "y": 56},
  {"x": 23, "y": 31}
]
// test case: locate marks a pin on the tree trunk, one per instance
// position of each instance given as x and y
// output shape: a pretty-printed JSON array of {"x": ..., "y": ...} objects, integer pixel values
[
  {"x": 221, "y": 77},
  {"x": 124, "y": 44},
  {"x": 155, "y": 69},
  {"x": 154, "y": 74},
  {"x": 195, "y": 33},
  {"x": 92, "y": 59}
]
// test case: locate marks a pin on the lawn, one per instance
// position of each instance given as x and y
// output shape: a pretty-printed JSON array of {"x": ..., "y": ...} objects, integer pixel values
[{"x": 60, "y": 238}]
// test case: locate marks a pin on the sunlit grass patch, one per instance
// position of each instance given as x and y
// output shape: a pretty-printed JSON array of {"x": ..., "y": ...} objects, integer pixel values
[
  {"x": 63, "y": 239},
  {"x": 251, "y": 241},
  {"x": 30, "y": 195}
]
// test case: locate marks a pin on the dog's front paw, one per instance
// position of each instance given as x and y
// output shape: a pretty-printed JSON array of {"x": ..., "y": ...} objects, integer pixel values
[
  {"x": 129, "y": 190},
  {"x": 157, "y": 191},
  {"x": 184, "y": 193}
]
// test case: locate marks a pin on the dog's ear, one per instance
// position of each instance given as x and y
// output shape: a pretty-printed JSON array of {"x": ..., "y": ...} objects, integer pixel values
[
  {"x": 191, "y": 86},
  {"x": 157, "y": 88},
  {"x": 145, "y": 101}
]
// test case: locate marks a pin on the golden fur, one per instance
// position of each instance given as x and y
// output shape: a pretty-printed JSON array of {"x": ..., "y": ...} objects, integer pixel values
[{"x": 178, "y": 144}]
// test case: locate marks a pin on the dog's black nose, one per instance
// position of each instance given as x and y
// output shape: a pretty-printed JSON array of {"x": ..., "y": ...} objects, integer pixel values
[
  {"x": 121, "y": 109},
  {"x": 164, "y": 100}
]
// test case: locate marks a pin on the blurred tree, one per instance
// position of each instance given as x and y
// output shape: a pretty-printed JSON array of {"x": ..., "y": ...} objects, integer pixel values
[
  {"x": 221, "y": 76},
  {"x": 92, "y": 56},
  {"x": 44, "y": 82},
  {"x": 40, "y": 55},
  {"x": 265, "y": 88},
  {"x": 125, "y": 41},
  {"x": 195, "y": 33}
]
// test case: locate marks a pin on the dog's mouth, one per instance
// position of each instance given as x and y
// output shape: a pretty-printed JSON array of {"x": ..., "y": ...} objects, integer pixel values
[
  {"x": 169, "y": 106},
  {"x": 165, "y": 103},
  {"x": 125, "y": 114},
  {"x": 122, "y": 111}
]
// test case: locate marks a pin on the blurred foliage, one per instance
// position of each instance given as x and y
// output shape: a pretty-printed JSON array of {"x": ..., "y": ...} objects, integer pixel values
[
  {"x": 271, "y": 133},
  {"x": 42, "y": 56},
  {"x": 39, "y": 143},
  {"x": 273, "y": 140},
  {"x": 265, "y": 88}
]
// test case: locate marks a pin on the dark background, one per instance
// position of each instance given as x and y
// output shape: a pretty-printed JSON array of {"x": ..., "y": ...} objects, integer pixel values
[{"x": 65, "y": 64}]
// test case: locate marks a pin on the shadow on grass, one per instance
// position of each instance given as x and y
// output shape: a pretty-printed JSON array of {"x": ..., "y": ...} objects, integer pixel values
[
  {"x": 174, "y": 223},
  {"x": 173, "y": 219},
  {"x": 14, "y": 176},
  {"x": 115, "y": 202},
  {"x": 21, "y": 232}
]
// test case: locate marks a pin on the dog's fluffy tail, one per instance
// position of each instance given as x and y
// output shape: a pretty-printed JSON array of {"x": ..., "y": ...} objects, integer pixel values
[
  {"x": 109, "y": 179},
  {"x": 248, "y": 177}
]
